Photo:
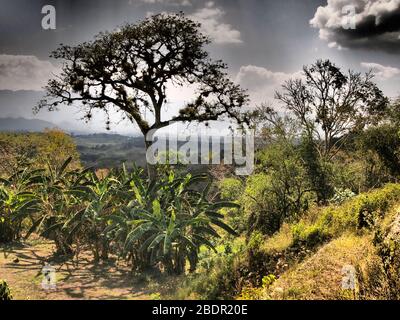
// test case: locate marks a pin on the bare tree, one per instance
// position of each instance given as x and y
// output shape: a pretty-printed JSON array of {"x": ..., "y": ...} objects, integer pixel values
[{"x": 331, "y": 104}]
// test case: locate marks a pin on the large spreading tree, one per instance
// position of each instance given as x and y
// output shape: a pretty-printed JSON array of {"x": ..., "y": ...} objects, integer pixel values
[
  {"x": 330, "y": 104},
  {"x": 130, "y": 70}
]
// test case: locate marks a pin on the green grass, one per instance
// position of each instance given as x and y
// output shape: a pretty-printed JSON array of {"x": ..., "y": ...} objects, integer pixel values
[{"x": 314, "y": 250}]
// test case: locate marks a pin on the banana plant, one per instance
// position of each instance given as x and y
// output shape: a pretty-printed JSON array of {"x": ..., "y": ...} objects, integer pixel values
[
  {"x": 14, "y": 207},
  {"x": 62, "y": 194},
  {"x": 102, "y": 196},
  {"x": 167, "y": 222}
]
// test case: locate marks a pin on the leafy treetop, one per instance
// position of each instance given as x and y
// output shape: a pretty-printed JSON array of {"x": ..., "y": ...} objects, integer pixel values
[{"x": 132, "y": 67}]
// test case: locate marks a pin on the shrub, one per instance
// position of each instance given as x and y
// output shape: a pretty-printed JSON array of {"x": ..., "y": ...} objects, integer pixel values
[
  {"x": 216, "y": 281},
  {"x": 250, "y": 293},
  {"x": 37, "y": 149},
  {"x": 230, "y": 188},
  {"x": 219, "y": 273},
  {"x": 359, "y": 212},
  {"x": 167, "y": 222},
  {"x": 387, "y": 243},
  {"x": 309, "y": 235},
  {"x": 15, "y": 202},
  {"x": 5, "y": 292},
  {"x": 269, "y": 200},
  {"x": 383, "y": 141}
]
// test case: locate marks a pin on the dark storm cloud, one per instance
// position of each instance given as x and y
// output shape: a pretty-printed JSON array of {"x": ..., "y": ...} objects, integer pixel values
[{"x": 377, "y": 24}]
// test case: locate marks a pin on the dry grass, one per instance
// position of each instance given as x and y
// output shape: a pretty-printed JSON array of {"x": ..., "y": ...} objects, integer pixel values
[
  {"x": 320, "y": 276},
  {"x": 21, "y": 265},
  {"x": 280, "y": 241}
]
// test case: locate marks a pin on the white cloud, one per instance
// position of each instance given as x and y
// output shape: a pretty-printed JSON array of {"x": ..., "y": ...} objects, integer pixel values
[
  {"x": 376, "y": 22},
  {"x": 261, "y": 82},
  {"x": 382, "y": 72},
  {"x": 18, "y": 72},
  {"x": 210, "y": 18}
]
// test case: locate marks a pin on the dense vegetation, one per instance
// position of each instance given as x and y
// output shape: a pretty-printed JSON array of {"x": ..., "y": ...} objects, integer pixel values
[
  {"x": 165, "y": 221},
  {"x": 51, "y": 146},
  {"x": 324, "y": 193},
  {"x": 309, "y": 196}
]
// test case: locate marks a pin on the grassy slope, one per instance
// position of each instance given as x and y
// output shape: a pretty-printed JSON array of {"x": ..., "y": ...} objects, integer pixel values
[
  {"x": 320, "y": 276},
  {"x": 326, "y": 240}
]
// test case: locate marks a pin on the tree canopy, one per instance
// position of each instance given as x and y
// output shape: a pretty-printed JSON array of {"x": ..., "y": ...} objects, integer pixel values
[
  {"x": 132, "y": 67},
  {"x": 330, "y": 103}
]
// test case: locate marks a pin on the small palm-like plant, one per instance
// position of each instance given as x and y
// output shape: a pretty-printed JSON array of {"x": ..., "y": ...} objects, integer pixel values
[
  {"x": 61, "y": 197},
  {"x": 16, "y": 202},
  {"x": 167, "y": 222},
  {"x": 164, "y": 221}
]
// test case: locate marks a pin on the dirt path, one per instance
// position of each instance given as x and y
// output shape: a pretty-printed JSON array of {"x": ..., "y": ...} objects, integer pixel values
[{"x": 21, "y": 265}]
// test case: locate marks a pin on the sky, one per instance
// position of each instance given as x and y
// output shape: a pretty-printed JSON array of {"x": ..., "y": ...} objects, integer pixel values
[{"x": 264, "y": 43}]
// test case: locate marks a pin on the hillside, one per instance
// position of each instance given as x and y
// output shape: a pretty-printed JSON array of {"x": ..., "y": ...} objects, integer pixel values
[
  {"x": 110, "y": 150},
  {"x": 24, "y": 125},
  {"x": 314, "y": 259}
]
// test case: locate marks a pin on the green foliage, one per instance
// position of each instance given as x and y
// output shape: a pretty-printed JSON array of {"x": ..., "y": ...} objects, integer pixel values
[
  {"x": 282, "y": 192},
  {"x": 217, "y": 274},
  {"x": 383, "y": 142},
  {"x": 259, "y": 293},
  {"x": 16, "y": 201},
  {"x": 310, "y": 235},
  {"x": 348, "y": 171},
  {"x": 5, "y": 292},
  {"x": 316, "y": 169},
  {"x": 230, "y": 188},
  {"x": 168, "y": 221},
  {"x": 36, "y": 149},
  {"x": 358, "y": 212},
  {"x": 387, "y": 243},
  {"x": 165, "y": 221}
]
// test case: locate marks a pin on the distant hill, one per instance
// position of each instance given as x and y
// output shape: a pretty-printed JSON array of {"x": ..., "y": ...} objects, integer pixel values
[{"x": 24, "y": 125}]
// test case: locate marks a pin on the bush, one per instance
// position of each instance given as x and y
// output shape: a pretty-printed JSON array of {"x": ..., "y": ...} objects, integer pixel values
[
  {"x": 309, "y": 235},
  {"x": 5, "y": 292},
  {"x": 359, "y": 212},
  {"x": 384, "y": 141},
  {"x": 218, "y": 275},
  {"x": 250, "y": 293},
  {"x": 51, "y": 147},
  {"x": 14, "y": 204},
  {"x": 389, "y": 252},
  {"x": 280, "y": 192},
  {"x": 230, "y": 188},
  {"x": 260, "y": 205},
  {"x": 269, "y": 200}
]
